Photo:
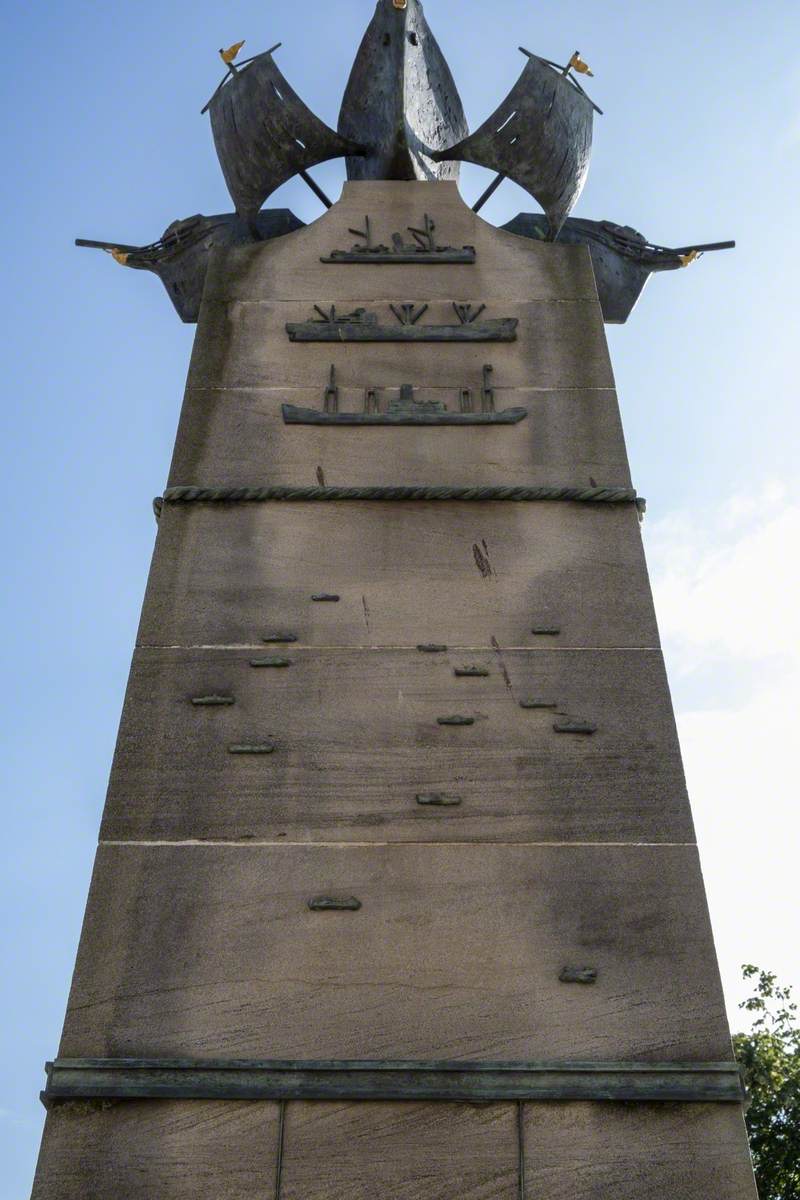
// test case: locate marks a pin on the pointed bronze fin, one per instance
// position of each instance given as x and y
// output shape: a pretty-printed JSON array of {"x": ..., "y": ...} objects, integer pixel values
[
  {"x": 401, "y": 101},
  {"x": 540, "y": 136}
]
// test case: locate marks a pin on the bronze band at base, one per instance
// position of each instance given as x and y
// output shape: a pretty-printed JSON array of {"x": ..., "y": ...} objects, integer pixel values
[{"x": 126, "y": 1079}]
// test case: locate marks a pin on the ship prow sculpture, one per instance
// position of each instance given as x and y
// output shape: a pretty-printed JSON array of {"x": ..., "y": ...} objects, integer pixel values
[{"x": 402, "y": 118}]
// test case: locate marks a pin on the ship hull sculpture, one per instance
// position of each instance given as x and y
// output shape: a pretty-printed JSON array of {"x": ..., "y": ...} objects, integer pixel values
[{"x": 397, "y": 892}]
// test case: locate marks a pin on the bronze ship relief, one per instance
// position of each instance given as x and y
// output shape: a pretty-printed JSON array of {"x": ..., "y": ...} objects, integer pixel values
[
  {"x": 423, "y": 248},
  {"x": 405, "y": 409},
  {"x": 364, "y": 326}
]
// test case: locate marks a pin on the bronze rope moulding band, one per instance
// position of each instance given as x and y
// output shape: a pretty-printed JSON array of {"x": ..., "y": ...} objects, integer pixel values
[{"x": 256, "y": 495}]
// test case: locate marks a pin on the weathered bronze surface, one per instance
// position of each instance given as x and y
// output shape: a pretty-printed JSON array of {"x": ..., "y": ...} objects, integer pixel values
[
  {"x": 255, "y": 748},
  {"x": 422, "y": 250},
  {"x": 364, "y": 326},
  {"x": 622, "y": 258},
  {"x": 580, "y": 727},
  {"x": 180, "y": 257},
  {"x": 540, "y": 136},
  {"x": 692, "y": 1083},
  {"x": 404, "y": 408},
  {"x": 401, "y": 101},
  {"x": 438, "y": 800},
  {"x": 584, "y": 975},
  {"x": 264, "y": 134},
  {"x": 213, "y": 701},
  {"x": 334, "y": 904}
]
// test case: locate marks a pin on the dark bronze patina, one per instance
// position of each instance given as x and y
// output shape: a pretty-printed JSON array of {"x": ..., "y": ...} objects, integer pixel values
[
  {"x": 264, "y": 134},
  {"x": 405, "y": 409},
  {"x": 232, "y": 1079},
  {"x": 540, "y": 136},
  {"x": 252, "y": 748},
  {"x": 438, "y": 800},
  {"x": 622, "y": 258},
  {"x": 364, "y": 326},
  {"x": 334, "y": 904},
  {"x": 421, "y": 250},
  {"x": 584, "y": 975},
  {"x": 401, "y": 101}
]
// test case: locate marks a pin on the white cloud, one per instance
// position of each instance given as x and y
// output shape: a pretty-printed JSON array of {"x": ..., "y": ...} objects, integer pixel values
[{"x": 726, "y": 584}]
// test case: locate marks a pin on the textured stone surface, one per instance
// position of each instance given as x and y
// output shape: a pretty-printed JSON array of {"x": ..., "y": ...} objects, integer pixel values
[
  {"x": 462, "y": 574},
  {"x": 455, "y": 953},
  {"x": 169, "y": 1150},
  {"x": 636, "y": 1152},
  {"x": 356, "y": 739},
  {"x": 566, "y": 851},
  {"x": 238, "y": 437},
  {"x": 288, "y": 268},
  {"x": 400, "y": 1152},
  {"x": 244, "y": 345}
]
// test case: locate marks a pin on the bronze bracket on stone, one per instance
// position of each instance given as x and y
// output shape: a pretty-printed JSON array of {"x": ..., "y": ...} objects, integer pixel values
[
  {"x": 334, "y": 904},
  {"x": 468, "y": 1082},
  {"x": 438, "y": 800}
]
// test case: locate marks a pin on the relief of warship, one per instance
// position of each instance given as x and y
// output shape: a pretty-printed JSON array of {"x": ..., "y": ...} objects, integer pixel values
[
  {"x": 364, "y": 326},
  {"x": 422, "y": 249},
  {"x": 405, "y": 409}
]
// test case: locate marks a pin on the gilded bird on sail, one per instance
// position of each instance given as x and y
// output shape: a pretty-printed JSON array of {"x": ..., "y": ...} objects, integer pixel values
[
  {"x": 119, "y": 256},
  {"x": 230, "y": 54},
  {"x": 576, "y": 63},
  {"x": 686, "y": 260}
]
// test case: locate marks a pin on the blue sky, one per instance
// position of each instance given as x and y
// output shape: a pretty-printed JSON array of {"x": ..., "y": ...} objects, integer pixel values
[{"x": 103, "y": 137}]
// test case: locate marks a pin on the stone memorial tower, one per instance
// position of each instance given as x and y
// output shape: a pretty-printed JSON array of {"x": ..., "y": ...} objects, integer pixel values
[{"x": 397, "y": 893}]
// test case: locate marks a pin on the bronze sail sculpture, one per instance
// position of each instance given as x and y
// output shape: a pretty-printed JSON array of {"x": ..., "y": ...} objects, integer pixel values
[
  {"x": 402, "y": 118},
  {"x": 401, "y": 100},
  {"x": 540, "y": 136},
  {"x": 264, "y": 134}
]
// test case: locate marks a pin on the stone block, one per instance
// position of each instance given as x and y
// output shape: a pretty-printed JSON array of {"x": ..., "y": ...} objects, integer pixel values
[
  {"x": 237, "y": 436},
  {"x": 289, "y": 268},
  {"x": 463, "y": 574},
  {"x": 637, "y": 1152},
  {"x": 400, "y": 1152},
  {"x": 356, "y": 736},
  {"x": 192, "y": 951},
  {"x": 173, "y": 1150},
  {"x": 242, "y": 344}
]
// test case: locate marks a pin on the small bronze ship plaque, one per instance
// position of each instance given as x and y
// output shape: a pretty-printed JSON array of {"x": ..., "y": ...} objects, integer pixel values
[{"x": 422, "y": 249}]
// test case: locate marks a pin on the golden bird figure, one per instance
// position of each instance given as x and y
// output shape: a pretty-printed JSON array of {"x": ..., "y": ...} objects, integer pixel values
[
  {"x": 686, "y": 260},
  {"x": 576, "y": 63},
  {"x": 119, "y": 256},
  {"x": 229, "y": 55}
]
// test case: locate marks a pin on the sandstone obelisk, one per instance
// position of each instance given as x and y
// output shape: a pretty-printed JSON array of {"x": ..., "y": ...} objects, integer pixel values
[{"x": 397, "y": 891}]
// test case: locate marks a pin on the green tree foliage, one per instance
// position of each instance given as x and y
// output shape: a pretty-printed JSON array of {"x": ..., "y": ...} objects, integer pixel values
[{"x": 770, "y": 1059}]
